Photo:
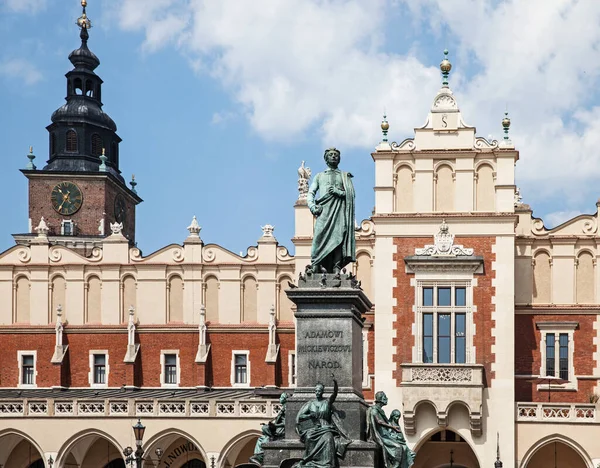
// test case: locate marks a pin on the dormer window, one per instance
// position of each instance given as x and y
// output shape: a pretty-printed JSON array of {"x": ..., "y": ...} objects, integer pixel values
[
  {"x": 96, "y": 145},
  {"x": 71, "y": 141},
  {"x": 67, "y": 227}
]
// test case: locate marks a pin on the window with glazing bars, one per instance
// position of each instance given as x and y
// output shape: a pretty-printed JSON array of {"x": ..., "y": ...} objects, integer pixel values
[
  {"x": 99, "y": 368},
  {"x": 241, "y": 368},
  {"x": 562, "y": 358},
  {"x": 27, "y": 369},
  {"x": 170, "y": 368},
  {"x": 443, "y": 309}
]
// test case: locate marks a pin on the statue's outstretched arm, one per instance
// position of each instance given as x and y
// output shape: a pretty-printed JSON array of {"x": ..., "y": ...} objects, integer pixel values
[{"x": 333, "y": 395}]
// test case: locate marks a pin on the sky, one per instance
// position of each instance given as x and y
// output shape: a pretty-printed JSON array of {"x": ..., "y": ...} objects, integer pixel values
[{"x": 219, "y": 101}]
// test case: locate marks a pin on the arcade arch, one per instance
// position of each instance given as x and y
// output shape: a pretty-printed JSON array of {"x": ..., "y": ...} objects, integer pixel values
[
  {"x": 19, "y": 451},
  {"x": 556, "y": 450},
  {"x": 177, "y": 449},
  {"x": 239, "y": 449},
  {"x": 443, "y": 449},
  {"x": 91, "y": 449}
]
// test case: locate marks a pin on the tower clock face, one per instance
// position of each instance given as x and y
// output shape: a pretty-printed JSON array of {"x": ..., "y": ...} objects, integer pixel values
[
  {"x": 120, "y": 209},
  {"x": 67, "y": 198}
]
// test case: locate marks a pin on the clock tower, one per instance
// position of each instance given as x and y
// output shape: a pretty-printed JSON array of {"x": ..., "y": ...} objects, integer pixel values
[{"x": 80, "y": 191}]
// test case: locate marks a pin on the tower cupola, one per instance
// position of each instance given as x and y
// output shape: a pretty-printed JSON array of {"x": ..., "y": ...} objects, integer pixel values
[{"x": 80, "y": 129}]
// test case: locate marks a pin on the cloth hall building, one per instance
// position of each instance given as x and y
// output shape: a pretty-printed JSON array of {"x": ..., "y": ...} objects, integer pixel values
[{"x": 484, "y": 330}]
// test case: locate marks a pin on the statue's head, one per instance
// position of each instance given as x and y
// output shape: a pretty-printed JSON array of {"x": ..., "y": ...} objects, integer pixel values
[
  {"x": 332, "y": 157},
  {"x": 395, "y": 415},
  {"x": 283, "y": 398},
  {"x": 319, "y": 390},
  {"x": 381, "y": 397}
]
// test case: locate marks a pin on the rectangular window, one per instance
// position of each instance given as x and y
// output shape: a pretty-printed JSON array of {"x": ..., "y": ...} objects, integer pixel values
[
  {"x": 100, "y": 368},
  {"x": 444, "y": 316},
  {"x": 444, "y": 295},
  {"x": 563, "y": 350},
  {"x": 428, "y": 297},
  {"x": 241, "y": 368},
  {"x": 550, "y": 354},
  {"x": 460, "y": 336},
  {"x": 170, "y": 369},
  {"x": 427, "y": 337},
  {"x": 444, "y": 344},
  {"x": 27, "y": 369}
]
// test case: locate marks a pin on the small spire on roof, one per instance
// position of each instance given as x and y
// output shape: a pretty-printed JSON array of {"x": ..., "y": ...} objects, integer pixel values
[
  {"x": 445, "y": 66},
  {"x": 103, "y": 158},
  {"x": 133, "y": 183},
  {"x": 506, "y": 125},
  {"x": 30, "y": 166},
  {"x": 385, "y": 127}
]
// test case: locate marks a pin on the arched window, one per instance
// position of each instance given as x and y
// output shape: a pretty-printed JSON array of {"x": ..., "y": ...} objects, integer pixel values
[
  {"x": 78, "y": 85},
  {"x": 249, "y": 306},
  {"x": 71, "y": 141},
  {"x": 285, "y": 312},
  {"x": 22, "y": 300},
  {"x": 175, "y": 299},
  {"x": 53, "y": 143},
  {"x": 96, "y": 145},
  {"x": 59, "y": 293},
  {"x": 211, "y": 298},
  {"x": 444, "y": 189},
  {"x": 129, "y": 297},
  {"x": 542, "y": 272},
  {"x": 94, "y": 300},
  {"x": 404, "y": 189},
  {"x": 585, "y": 278},
  {"x": 485, "y": 189},
  {"x": 114, "y": 156},
  {"x": 89, "y": 88}
]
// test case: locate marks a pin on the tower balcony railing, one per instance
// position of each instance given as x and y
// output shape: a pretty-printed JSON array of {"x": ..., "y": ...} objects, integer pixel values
[
  {"x": 442, "y": 385},
  {"x": 557, "y": 412}
]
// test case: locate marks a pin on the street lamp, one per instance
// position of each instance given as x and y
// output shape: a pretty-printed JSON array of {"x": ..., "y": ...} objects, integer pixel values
[{"x": 138, "y": 431}]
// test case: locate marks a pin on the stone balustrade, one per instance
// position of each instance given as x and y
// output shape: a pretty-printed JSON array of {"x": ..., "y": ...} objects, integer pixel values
[
  {"x": 260, "y": 409},
  {"x": 557, "y": 412},
  {"x": 442, "y": 385}
]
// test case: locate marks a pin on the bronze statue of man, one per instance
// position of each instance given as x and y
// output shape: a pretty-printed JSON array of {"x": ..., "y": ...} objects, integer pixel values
[{"x": 334, "y": 243}]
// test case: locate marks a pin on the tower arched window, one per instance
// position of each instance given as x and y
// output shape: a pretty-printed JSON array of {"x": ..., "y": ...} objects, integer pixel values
[
  {"x": 96, "y": 145},
  {"x": 78, "y": 85},
  {"x": 89, "y": 88},
  {"x": 71, "y": 141},
  {"x": 53, "y": 143},
  {"x": 113, "y": 153}
]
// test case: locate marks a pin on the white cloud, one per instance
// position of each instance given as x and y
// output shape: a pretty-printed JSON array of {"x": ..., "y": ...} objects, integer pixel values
[
  {"x": 296, "y": 65},
  {"x": 301, "y": 65},
  {"x": 542, "y": 60},
  {"x": 24, "y": 6},
  {"x": 20, "y": 69}
]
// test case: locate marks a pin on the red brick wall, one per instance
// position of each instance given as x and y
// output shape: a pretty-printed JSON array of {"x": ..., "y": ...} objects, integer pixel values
[
  {"x": 404, "y": 294},
  {"x": 528, "y": 357},
  {"x": 76, "y": 365},
  {"x": 98, "y": 198}
]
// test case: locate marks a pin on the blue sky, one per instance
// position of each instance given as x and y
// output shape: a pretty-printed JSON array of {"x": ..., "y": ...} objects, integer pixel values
[{"x": 218, "y": 102}]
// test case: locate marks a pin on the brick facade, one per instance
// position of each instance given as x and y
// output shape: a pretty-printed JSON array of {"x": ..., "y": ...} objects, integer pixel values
[
  {"x": 404, "y": 294},
  {"x": 99, "y": 193},
  {"x": 528, "y": 357}
]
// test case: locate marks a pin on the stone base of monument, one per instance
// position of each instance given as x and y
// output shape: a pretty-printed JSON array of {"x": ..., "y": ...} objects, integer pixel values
[
  {"x": 329, "y": 344},
  {"x": 286, "y": 453}
]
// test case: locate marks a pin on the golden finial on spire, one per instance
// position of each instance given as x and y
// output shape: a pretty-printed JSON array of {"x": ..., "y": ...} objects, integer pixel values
[
  {"x": 30, "y": 149},
  {"x": 83, "y": 21}
]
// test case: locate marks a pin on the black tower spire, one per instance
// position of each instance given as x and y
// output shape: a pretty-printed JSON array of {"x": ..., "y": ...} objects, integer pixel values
[{"x": 80, "y": 129}]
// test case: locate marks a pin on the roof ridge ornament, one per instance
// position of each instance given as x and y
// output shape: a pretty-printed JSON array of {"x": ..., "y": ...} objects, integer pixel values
[
  {"x": 443, "y": 245},
  {"x": 445, "y": 66}
]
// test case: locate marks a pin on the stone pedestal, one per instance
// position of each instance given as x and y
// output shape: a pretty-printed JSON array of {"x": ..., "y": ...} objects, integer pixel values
[{"x": 328, "y": 341}]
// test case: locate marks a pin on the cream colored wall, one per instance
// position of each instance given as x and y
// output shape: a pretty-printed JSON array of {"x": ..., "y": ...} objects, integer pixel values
[
  {"x": 559, "y": 265},
  {"x": 164, "y": 286}
]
